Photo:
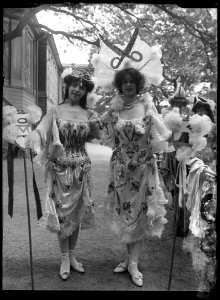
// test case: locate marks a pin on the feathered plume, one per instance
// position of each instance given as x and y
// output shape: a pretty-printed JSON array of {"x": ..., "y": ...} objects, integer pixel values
[{"x": 173, "y": 120}]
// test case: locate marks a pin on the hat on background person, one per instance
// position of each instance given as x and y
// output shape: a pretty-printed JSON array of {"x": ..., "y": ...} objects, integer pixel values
[
  {"x": 207, "y": 104},
  {"x": 179, "y": 97}
]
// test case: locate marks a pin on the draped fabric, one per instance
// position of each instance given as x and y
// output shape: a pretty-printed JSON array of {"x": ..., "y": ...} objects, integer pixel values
[
  {"x": 10, "y": 167},
  {"x": 36, "y": 192},
  {"x": 202, "y": 238}
]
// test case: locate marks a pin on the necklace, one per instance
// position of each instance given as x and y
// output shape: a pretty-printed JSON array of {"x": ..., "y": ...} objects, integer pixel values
[{"x": 129, "y": 106}]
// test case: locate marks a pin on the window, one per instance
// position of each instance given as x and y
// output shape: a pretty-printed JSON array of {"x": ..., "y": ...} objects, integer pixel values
[
  {"x": 29, "y": 62},
  {"x": 16, "y": 58},
  {"x": 6, "y": 53},
  {"x": 52, "y": 78}
]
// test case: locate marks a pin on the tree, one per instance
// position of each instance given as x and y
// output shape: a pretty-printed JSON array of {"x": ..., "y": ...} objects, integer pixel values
[{"x": 188, "y": 36}]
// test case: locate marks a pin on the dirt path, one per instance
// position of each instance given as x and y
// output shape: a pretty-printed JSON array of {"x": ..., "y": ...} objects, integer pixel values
[{"x": 98, "y": 249}]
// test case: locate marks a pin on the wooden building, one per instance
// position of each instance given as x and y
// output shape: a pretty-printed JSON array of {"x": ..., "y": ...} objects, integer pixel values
[{"x": 31, "y": 66}]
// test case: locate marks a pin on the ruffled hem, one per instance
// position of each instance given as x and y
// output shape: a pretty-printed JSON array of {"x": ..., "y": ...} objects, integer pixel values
[
  {"x": 50, "y": 222},
  {"x": 145, "y": 228},
  {"x": 63, "y": 234},
  {"x": 86, "y": 222},
  {"x": 141, "y": 234},
  {"x": 149, "y": 224}
]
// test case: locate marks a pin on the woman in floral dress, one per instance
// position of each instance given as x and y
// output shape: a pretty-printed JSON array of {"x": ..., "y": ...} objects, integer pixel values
[
  {"x": 135, "y": 131},
  {"x": 59, "y": 141}
]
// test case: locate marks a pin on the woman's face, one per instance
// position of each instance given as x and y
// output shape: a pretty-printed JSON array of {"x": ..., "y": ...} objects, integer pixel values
[
  {"x": 76, "y": 92},
  {"x": 201, "y": 111},
  {"x": 128, "y": 86}
]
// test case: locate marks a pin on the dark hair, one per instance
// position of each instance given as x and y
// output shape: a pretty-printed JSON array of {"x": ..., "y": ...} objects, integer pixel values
[
  {"x": 207, "y": 108},
  {"x": 86, "y": 82},
  {"x": 136, "y": 76}
]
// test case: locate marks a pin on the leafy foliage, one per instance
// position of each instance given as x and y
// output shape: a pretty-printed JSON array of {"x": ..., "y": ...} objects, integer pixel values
[{"x": 188, "y": 37}]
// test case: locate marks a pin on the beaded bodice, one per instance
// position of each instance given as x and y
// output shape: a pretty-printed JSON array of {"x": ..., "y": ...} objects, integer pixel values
[{"x": 73, "y": 135}]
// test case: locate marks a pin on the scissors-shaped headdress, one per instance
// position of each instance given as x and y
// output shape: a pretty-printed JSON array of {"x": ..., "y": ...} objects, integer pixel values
[{"x": 136, "y": 54}]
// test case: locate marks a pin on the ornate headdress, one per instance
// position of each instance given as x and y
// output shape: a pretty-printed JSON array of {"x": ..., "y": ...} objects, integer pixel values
[
  {"x": 179, "y": 96},
  {"x": 209, "y": 106},
  {"x": 83, "y": 73},
  {"x": 137, "y": 54},
  {"x": 80, "y": 71}
]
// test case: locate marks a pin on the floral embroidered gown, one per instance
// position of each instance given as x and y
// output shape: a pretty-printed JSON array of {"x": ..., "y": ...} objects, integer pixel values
[
  {"x": 134, "y": 192},
  {"x": 60, "y": 146}
]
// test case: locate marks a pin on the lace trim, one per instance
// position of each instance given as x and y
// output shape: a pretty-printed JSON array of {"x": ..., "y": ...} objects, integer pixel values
[
  {"x": 134, "y": 121},
  {"x": 59, "y": 115},
  {"x": 143, "y": 233}
]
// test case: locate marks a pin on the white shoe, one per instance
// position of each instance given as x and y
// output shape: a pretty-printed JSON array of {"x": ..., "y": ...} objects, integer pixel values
[
  {"x": 122, "y": 267},
  {"x": 64, "y": 275},
  {"x": 65, "y": 267},
  {"x": 76, "y": 266},
  {"x": 136, "y": 276}
]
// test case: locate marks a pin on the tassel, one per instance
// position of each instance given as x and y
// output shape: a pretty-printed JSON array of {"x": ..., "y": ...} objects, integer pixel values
[
  {"x": 10, "y": 168},
  {"x": 36, "y": 192}
]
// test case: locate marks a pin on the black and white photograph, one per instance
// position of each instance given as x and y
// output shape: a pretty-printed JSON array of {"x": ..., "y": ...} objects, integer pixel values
[{"x": 109, "y": 148}]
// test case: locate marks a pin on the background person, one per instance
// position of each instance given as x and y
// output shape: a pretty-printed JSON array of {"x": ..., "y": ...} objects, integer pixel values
[
  {"x": 169, "y": 163},
  {"x": 209, "y": 153}
]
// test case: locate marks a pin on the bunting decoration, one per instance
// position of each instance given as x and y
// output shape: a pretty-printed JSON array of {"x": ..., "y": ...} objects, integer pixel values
[{"x": 18, "y": 125}]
